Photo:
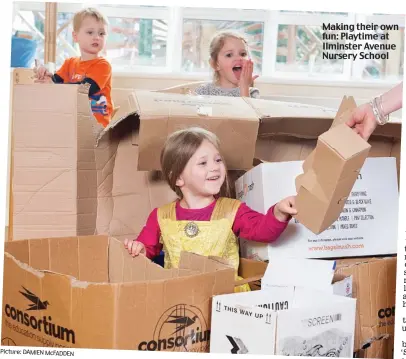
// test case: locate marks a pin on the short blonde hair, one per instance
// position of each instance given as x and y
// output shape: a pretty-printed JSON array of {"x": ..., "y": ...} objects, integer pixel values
[
  {"x": 82, "y": 14},
  {"x": 179, "y": 147},
  {"x": 217, "y": 43}
]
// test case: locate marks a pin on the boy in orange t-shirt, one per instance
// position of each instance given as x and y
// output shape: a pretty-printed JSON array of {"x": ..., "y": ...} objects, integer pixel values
[{"x": 89, "y": 31}]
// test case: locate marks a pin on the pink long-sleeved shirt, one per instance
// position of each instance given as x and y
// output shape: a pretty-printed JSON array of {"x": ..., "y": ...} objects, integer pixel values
[{"x": 248, "y": 224}]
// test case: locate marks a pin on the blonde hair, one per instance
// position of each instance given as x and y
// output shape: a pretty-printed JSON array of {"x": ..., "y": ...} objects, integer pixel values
[
  {"x": 179, "y": 147},
  {"x": 217, "y": 43},
  {"x": 82, "y": 14}
]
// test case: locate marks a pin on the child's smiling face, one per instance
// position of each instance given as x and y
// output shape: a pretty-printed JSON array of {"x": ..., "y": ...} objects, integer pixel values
[
  {"x": 229, "y": 62},
  {"x": 204, "y": 173}
]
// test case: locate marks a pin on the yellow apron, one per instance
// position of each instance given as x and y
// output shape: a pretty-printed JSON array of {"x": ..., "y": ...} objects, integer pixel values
[{"x": 207, "y": 238}]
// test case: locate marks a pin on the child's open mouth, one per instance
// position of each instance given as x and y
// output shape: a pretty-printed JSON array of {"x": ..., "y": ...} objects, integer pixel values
[
  {"x": 237, "y": 71},
  {"x": 95, "y": 45},
  {"x": 214, "y": 178}
]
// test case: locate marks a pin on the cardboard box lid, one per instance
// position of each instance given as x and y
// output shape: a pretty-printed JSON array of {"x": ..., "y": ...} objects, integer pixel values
[{"x": 232, "y": 119}]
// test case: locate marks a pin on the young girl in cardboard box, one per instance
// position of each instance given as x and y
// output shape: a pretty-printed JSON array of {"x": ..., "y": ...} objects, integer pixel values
[{"x": 203, "y": 220}]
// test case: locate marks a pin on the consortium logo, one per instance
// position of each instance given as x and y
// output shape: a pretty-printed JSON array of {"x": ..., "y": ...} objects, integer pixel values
[
  {"x": 180, "y": 328},
  {"x": 42, "y": 325}
]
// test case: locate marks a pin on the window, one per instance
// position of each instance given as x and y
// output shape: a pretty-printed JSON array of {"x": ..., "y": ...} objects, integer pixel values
[
  {"x": 300, "y": 49},
  {"x": 282, "y": 44},
  {"x": 198, "y": 33},
  {"x": 136, "y": 42}
]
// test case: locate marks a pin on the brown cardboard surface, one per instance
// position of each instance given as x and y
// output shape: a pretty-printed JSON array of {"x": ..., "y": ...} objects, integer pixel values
[
  {"x": 330, "y": 172},
  {"x": 159, "y": 114},
  {"x": 90, "y": 310},
  {"x": 65, "y": 186},
  {"x": 250, "y": 268},
  {"x": 374, "y": 285}
]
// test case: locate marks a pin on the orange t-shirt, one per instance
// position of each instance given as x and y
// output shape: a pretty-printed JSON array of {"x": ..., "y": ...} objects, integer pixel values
[{"x": 97, "y": 73}]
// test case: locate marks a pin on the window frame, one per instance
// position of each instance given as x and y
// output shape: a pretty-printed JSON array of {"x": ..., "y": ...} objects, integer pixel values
[{"x": 175, "y": 16}]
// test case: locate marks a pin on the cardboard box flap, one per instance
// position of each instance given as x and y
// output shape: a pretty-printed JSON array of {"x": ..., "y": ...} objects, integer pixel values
[
  {"x": 203, "y": 264},
  {"x": 308, "y": 121},
  {"x": 344, "y": 111},
  {"x": 159, "y": 114},
  {"x": 348, "y": 148},
  {"x": 124, "y": 268},
  {"x": 269, "y": 109}
]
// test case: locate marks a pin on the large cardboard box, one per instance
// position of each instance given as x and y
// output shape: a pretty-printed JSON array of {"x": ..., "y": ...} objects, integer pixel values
[
  {"x": 283, "y": 320},
  {"x": 160, "y": 114},
  {"x": 374, "y": 288},
  {"x": 87, "y": 292},
  {"x": 65, "y": 185},
  {"x": 370, "y": 213}
]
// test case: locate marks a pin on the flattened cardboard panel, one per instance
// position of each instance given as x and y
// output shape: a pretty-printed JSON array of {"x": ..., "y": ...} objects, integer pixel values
[
  {"x": 26, "y": 96},
  {"x": 28, "y": 129},
  {"x": 63, "y": 253},
  {"x": 93, "y": 315},
  {"x": 38, "y": 221},
  {"x": 87, "y": 179},
  {"x": 44, "y": 160},
  {"x": 49, "y": 157},
  {"x": 19, "y": 250},
  {"x": 58, "y": 232},
  {"x": 39, "y": 254},
  {"x": 93, "y": 259}
]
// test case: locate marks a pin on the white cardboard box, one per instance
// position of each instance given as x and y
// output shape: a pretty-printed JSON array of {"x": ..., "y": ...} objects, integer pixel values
[
  {"x": 367, "y": 226},
  {"x": 313, "y": 274},
  {"x": 305, "y": 323}
]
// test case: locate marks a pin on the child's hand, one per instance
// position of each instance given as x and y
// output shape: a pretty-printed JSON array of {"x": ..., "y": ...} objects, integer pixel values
[
  {"x": 134, "y": 247},
  {"x": 41, "y": 73},
  {"x": 45, "y": 80},
  {"x": 246, "y": 78},
  {"x": 285, "y": 209}
]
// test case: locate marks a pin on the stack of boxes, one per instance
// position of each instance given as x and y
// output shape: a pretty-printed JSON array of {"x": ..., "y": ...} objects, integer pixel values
[
  {"x": 70, "y": 178},
  {"x": 347, "y": 211}
]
